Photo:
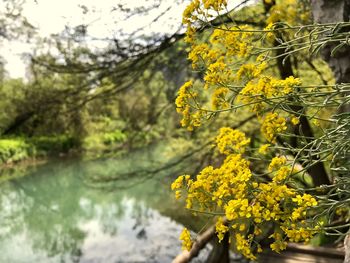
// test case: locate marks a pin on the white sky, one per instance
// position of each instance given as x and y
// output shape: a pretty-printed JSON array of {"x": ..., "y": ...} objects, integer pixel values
[{"x": 51, "y": 16}]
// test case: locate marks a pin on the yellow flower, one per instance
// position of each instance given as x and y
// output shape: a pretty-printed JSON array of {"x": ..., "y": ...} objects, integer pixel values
[
  {"x": 230, "y": 140},
  {"x": 178, "y": 183},
  {"x": 277, "y": 162},
  {"x": 188, "y": 12},
  {"x": 273, "y": 125},
  {"x": 277, "y": 246},
  {"x": 217, "y": 73},
  {"x": 295, "y": 120},
  {"x": 221, "y": 228},
  {"x": 197, "y": 52},
  {"x": 316, "y": 122},
  {"x": 281, "y": 174},
  {"x": 178, "y": 194},
  {"x": 186, "y": 239},
  {"x": 216, "y": 5},
  {"x": 263, "y": 149},
  {"x": 243, "y": 246},
  {"x": 219, "y": 100},
  {"x": 250, "y": 71}
]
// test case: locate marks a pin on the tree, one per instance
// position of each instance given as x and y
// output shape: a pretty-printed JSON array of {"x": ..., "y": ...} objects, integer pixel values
[{"x": 304, "y": 135}]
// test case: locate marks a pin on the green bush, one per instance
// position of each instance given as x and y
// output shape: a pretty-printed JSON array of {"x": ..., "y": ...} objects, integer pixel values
[
  {"x": 12, "y": 150},
  {"x": 113, "y": 137}
]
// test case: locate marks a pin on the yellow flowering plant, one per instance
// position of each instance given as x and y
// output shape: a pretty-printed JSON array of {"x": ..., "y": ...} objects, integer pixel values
[{"x": 236, "y": 62}]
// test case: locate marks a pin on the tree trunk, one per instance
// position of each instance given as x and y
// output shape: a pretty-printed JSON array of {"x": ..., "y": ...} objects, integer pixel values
[{"x": 326, "y": 11}]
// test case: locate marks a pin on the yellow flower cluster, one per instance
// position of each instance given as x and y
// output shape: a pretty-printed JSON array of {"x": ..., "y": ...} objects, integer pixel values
[
  {"x": 214, "y": 185},
  {"x": 286, "y": 86},
  {"x": 216, "y": 5},
  {"x": 189, "y": 12},
  {"x": 279, "y": 244},
  {"x": 186, "y": 239},
  {"x": 231, "y": 141},
  {"x": 270, "y": 36},
  {"x": 197, "y": 53},
  {"x": 217, "y": 73},
  {"x": 249, "y": 205},
  {"x": 272, "y": 125},
  {"x": 244, "y": 246},
  {"x": 219, "y": 99},
  {"x": 257, "y": 90},
  {"x": 184, "y": 94},
  {"x": 296, "y": 233},
  {"x": 178, "y": 184},
  {"x": 196, "y": 9},
  {"x": 233, "y": 41},
  {"x": 249, "y": 71},
  {"x": 263, "y": 149},
  {"x": 190, "y": 118},
  {"x": 221, "y": 228},
  {"x": 204, "y": 54},
  {"x": 282, "y": 174},
  {"x": 277, "y": 162}
]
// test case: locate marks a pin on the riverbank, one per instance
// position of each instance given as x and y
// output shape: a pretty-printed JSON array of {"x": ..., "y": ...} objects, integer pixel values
[{"x": 14, "y": 150}]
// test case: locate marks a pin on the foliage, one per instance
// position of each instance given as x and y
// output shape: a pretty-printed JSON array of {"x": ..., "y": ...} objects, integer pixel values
[
  {"x": 12, "y": 150},
  {"x": 15, "y": 149}
]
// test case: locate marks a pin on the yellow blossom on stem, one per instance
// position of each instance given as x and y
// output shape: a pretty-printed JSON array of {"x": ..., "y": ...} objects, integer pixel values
[
  {"x": 281, "y": 174},
  {"x": 243, "y": 246},
  {"x": 221, "y": 229},
  {"x": 216, "y": 5},
  {"x": 270, "y": 36},
  {"x": 218, "y": 73},
  {"x": 273, "y": 125},
  {"x": 230, "y": 140},
  {"x": 197, "y": 52},
  {"x": 277, "y": 162},
  {"x": 219, "y": 100},
  {"x": 178, "y": 183},
  {"x": 189, "y": 11},
  {"x": 287, "y": 85},
  {"x": 178, "y": 194},
  {"x": 186, "y": 239},
  {"x": 295, "y": 120},
  {"x": 190, "y": 118},
  {"x": 250, "y": 71},
  {"x": 279, "y": 244},
  {"x": 264, "y": 148}
]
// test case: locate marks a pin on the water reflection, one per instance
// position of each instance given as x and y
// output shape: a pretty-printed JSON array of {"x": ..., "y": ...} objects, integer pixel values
[{"x": 53, "y": 216}]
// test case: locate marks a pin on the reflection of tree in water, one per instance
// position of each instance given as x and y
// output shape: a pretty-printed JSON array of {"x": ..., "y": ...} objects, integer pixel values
[{"x": 52, "y": 207}]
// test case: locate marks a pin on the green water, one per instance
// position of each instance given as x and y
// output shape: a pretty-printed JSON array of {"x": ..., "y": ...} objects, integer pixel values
[{"x": 78, "y": 211}]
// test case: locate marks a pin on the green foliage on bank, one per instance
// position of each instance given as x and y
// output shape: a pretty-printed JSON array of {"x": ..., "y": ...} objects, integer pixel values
[{"x": 15, "y": 149}]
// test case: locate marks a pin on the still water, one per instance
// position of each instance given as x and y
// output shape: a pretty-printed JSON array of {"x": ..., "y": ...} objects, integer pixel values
[{"x": 59, "y": 212}]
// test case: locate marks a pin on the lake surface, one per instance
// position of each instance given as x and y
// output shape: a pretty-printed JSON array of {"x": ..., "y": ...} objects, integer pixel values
[{"x": 91, "y": 211}]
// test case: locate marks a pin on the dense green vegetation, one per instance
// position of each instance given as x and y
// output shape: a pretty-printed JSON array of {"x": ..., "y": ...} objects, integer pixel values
[{"x": 15, "y": 149}]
